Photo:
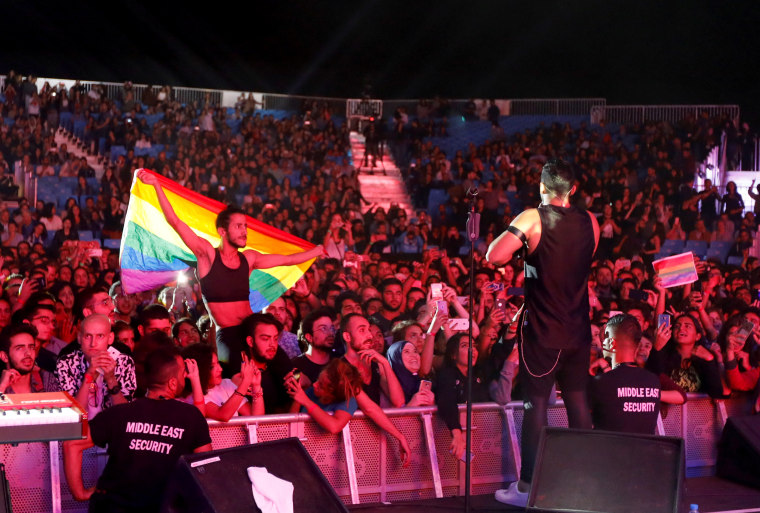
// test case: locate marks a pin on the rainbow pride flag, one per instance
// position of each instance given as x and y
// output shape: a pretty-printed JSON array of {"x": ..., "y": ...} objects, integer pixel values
[
  {"x": 676, "y": 270},
  {"x": 152, "y": 253}
]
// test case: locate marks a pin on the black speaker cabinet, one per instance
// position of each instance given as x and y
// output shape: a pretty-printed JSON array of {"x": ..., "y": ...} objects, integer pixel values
[
  {"x": 217, "y": 481},
  {"x": 579, "y": 471},
  {"x": 739, "y": 451}
]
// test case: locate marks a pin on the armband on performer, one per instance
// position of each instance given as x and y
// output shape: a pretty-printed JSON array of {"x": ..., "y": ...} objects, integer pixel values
[{"x": 519, "y": 234}]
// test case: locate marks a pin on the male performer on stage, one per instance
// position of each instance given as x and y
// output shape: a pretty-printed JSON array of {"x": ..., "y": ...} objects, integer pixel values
[
  {"x": 223, "y": 272},
  {"x": 554, "y": 330}
]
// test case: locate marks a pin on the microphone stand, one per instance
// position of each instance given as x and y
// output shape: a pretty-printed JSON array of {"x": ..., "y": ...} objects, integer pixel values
[{"x": 473, "y": 232}]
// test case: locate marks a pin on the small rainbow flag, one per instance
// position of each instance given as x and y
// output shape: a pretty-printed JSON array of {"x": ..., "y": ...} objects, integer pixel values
[
  {"x": 152, "y": 253},
  {"x": 676, "y": 270}
]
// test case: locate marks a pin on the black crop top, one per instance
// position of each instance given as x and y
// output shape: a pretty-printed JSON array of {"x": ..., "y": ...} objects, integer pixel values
[{"x": 224, "y": 285}]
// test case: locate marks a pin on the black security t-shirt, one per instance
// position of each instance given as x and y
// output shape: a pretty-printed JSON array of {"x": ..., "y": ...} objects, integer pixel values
[
  {"x": 145, "y": 439},
  {"x": 626, "y": 399}
]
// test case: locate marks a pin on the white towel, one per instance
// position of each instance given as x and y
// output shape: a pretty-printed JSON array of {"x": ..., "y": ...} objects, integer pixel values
[{"x": 272, "y": 494}]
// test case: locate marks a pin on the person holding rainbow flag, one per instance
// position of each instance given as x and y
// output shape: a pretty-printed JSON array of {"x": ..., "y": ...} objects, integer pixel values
[{"x": 225, "y": 272}]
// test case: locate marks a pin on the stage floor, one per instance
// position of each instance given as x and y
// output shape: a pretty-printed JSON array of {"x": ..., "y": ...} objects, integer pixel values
[{"x": 713, "y": 495}]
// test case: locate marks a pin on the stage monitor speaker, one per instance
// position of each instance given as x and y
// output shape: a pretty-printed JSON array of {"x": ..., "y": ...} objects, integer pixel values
[
  {"x": 583, "y": 471},
  {"x": 217, "y": 481},
  {"x": 739, "y": 451}
]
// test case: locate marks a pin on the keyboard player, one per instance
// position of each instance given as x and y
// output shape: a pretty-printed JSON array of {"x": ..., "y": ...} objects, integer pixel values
[{"x": 19, "y": 351}]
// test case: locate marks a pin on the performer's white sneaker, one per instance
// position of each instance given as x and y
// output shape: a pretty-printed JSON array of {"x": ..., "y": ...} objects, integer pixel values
[{"x": 512, "y": 496}]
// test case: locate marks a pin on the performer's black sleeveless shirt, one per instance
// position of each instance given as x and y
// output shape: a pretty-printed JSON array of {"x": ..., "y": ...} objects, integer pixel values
[
  {"x": 222, "y": 284},
  {"x": 556, "y": 280}
]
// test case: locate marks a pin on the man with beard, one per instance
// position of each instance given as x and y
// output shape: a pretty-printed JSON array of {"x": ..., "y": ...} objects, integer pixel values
[
  {"x": 18, "y": 350},
  {"x": 393, "y": 297},
  {"x": 317, "y": 331},
  {"x": 288, "y": 341},
  {"x": 262, "y": 333},
  {"x": 42, "y": 318},
  {"x": 223, "y": 272},
  {"x": 376, "y": 372}
]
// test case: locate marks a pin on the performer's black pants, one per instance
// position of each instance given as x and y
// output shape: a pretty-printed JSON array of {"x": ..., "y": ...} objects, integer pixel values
[{"x": 570, "y": 369}]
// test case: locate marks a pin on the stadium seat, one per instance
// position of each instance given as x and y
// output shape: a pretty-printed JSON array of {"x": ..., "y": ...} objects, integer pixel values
[
  {"x": 672, "y": 247},
  {"x": 735, "y": 260},
  {"x": 698, "y": 247},
  {"x": 718, "y": 250},
  {"x": 85, "y": 235},
  {"x": 111, "y": 243}
]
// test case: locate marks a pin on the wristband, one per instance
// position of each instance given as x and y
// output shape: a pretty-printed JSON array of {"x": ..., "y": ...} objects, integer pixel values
[
  {"x": 239, "y": 393},
  {"x": 257, "y": 395}
]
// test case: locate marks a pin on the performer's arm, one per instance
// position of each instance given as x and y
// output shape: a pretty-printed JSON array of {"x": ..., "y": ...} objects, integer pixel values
[
  {"x": 200, "y": 247},
  {"x": 508, "y": 243},
  {"x": 595, "y": 227},
  {"x": 261, "y": 261}
]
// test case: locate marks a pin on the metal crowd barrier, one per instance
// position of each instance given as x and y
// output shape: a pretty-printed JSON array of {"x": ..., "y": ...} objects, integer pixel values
[{"x": 362, "y": 463}]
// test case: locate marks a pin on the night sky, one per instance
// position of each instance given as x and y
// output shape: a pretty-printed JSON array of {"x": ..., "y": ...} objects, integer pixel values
[{"x": 627, "y": 52}]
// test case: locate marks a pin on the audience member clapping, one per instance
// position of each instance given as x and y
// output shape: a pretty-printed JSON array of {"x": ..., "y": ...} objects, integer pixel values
[{"x": 221, "y": 399}]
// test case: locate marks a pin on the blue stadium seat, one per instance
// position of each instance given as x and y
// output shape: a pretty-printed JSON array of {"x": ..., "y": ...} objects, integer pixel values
[
  {"x": 85, "y": 235},
  {"x": 735, "y": 260},
  {"x": 718, "y": 250},
  {"x": 672, "y": 247},
  {"x": 436, "y": 198},
  {"x": 698, "y": 247},
  {"x": 111, "y": 243}
]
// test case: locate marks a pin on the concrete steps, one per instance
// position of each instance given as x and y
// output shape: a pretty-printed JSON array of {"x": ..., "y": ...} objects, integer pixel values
[
  {"x": 383, "y": 183},
  {"x": 78, "y": 149}
]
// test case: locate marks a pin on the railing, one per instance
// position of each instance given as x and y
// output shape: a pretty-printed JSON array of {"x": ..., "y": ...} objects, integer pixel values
[
  {"x": 295, "y": 103},
  {"x": 710, "y": 170},
  {"x": 362, "y": 463},
  {"x": 596, "y": 107},
  {"x": 630, "y": 114},
  {"x": 555, "y": 107}
]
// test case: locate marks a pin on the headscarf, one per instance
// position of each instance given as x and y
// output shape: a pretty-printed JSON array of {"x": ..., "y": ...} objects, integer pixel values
[{"x": 410, "y": 383}]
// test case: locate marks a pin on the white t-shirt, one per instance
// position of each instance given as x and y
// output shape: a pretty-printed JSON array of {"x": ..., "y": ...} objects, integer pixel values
[{"x": 220, "y": 393}]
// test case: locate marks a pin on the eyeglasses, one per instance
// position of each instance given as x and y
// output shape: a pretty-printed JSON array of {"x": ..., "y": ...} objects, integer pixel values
[
  {"x": 106, "y": 302},
  {"x": 45, "y": 320},
  {"x": 327, "y": 330}
]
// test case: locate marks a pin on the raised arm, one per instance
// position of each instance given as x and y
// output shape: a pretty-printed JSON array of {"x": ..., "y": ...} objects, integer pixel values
[
  {"x": 200, "y": 247},
  {"x": 261, "y": 261},
  {"x": 388, "y": 380}
]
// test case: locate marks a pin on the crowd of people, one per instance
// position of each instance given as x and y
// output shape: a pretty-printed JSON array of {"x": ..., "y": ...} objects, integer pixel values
[{"x": 381, "y": 319}]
